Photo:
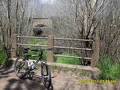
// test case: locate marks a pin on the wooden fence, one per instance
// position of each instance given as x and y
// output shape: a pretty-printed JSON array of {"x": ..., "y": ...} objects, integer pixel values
[{"x": 95, "y": 47}]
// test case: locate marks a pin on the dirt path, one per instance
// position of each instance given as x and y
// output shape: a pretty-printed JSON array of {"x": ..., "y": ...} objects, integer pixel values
[{"x": 62, "y": 81}]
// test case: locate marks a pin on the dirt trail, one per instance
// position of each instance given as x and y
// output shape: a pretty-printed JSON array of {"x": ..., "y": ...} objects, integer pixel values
[{"x": 62, "y": 81}]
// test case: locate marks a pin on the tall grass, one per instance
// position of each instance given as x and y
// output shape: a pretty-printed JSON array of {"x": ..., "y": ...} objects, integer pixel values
[{"x": 109, "y": 70}]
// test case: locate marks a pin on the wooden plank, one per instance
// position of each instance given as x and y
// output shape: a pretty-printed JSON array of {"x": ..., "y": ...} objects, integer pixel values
[
  {"x": 87, "y": 58},
  {"x": 31, "y": 45},
  {"x": 73, "y": 39},
  {"x": 87, "y": 49},
  {"x": 55, "y": 38},
  {"x": 32, "y": 37}
]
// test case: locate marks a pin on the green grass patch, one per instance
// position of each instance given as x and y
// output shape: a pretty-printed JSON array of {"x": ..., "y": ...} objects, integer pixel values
[
  {"x": 109, "y": 70},
  {"x": 35, "y": 41},
  {"x": 64, "y": 60}
]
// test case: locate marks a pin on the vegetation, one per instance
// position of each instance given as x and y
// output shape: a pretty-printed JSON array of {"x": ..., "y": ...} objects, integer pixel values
[
  {"x": 68, "y": 60},
  {"x": 2, "y": 55},
  {"x": 109, "y": 70},
  {"x": 36, "y": 41},
  {"x": 36, "y": 58}
]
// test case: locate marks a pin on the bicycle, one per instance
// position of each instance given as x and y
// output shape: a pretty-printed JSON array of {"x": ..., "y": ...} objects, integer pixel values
[{"x": 24, "y": 67}]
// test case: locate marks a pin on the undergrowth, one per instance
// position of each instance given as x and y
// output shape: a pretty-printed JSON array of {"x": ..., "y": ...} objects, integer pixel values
[
  {"x": 109, "y": 69},
  {"x": 2, "y": 55}
]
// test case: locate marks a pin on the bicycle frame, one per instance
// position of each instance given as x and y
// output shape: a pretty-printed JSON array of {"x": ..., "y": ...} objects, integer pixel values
[{"x": 26, "y": 57}]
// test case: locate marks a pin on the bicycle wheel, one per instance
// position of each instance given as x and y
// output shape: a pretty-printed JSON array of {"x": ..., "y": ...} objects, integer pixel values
[
  {"x": 46, "y": 76},
  {"x": 20, "y": 67}
]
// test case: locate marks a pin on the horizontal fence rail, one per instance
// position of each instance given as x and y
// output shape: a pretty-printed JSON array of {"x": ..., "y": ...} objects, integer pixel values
[
  {"x": 32, "y": 37},
  {"x": 87, "y": 49},
  {"x": 84, "y": 40},
  {"x": 87, "y": 58},
  {"x": 37, "y": 45},
  {"x": 55, "y": 38}
]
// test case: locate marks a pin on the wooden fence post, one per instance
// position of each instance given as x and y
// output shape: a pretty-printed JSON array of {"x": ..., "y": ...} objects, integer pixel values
[
  {"x": 14, "y": 46},
  {"x": 50, "y": 57},
  {"x": 96, "y": 51}
]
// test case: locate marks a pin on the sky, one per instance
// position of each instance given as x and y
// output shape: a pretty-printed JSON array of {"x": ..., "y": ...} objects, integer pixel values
[
  {"x": 47, "y": 1},
  {"x": 46, "y": 8}
]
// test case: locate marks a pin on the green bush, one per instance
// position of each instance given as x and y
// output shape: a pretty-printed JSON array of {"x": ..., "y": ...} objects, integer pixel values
[
  {"x": 109, "y": 70},
  {"x": 2, "y": 56},
  {"x": 68, "y": 60}
]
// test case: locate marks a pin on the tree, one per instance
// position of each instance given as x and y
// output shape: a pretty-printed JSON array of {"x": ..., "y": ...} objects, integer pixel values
[{"x": 15, "y": 18}]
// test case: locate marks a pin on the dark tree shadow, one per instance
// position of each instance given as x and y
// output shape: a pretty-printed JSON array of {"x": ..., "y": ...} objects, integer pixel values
[
  {"x": 8, "y": 64},
  {"x": 17, "y": 84},
  {"x": 4, "y": 72}
]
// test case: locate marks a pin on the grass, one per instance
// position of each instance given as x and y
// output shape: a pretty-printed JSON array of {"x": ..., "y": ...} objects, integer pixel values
[
  {"x": 109, "y": 70},
  {"x": 64, "y": 60},
  {"x": 35, "y": 41}
]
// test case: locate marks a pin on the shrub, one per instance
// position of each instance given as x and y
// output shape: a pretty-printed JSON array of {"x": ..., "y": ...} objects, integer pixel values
[
  {"x": 2, "y": 56},
  {"x": 109, "y": 70},
  {"x": 115, "y": 71},
  {"x": 68, "y": 60}
]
